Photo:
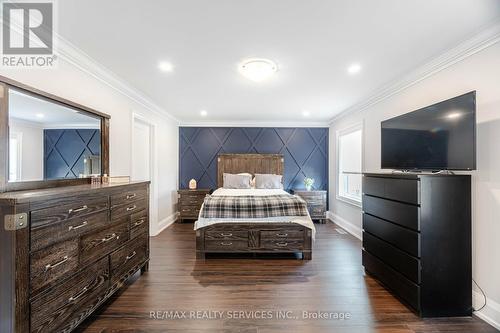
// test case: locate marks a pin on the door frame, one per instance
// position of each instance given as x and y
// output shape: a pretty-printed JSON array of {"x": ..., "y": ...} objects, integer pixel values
[{"x": 153, "y": 167}]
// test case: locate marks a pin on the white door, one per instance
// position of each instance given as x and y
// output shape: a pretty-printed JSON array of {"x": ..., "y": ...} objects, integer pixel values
[{"x": 141, "y": 151}]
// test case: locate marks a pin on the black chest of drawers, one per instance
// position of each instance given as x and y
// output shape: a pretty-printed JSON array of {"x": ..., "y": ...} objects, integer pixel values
[{"x": 417, "y": 239}]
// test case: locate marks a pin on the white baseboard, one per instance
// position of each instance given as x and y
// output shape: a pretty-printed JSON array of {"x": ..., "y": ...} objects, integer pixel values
[
  {"x": 490, "y": 313},
  {"x": 166, "y": 222},
  {"x": 343, "y": 223}
]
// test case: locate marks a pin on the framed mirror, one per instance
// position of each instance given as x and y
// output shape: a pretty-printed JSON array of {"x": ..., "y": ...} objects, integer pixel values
[{"x": 47, "y": 141}]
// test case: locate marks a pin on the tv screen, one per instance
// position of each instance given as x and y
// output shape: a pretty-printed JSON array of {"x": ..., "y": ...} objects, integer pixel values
[{"x": 438, "y": 137}]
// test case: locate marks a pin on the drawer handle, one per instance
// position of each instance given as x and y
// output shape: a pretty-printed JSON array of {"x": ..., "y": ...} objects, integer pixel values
[
  {"x": 281, "y": 235},
  {"x": 84, "y": 223},
  {"x": 77, "y": 296},
  {"x": 282, "y": 244},
  {"x": 226, "y": 235},
  {"x": 138, "y": 223},
  {"x": 131, "y": 196},
  {"x": 226, "y": 243},
  {"x": 76, "y": 210},
  {"x": 109, "y": 238},
  {"x": 130, "y": 256},
  {"x": 131, "y": 208},
  {"x": 62, "y": 261}
]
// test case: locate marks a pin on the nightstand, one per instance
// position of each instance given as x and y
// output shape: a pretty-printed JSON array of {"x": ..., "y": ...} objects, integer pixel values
[
  {"x": 316, "y": 203},
  {"x": 190, "y": 202}
]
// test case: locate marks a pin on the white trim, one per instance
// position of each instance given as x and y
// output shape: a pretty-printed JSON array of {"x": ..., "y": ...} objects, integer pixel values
[
  {"x": 490, "y": 313},
  {"x": 165, "y": 223},
  {"x": 486, "y": 38},
  {"x": 253, "y": 123},
  {"x": 360, "y": 125},
  {"x": 346, "y": 225}
]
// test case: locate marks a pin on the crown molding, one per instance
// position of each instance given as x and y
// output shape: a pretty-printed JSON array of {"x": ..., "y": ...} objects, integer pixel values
[
  {"x": 78, "y": 58},
  {"x": 250, "y": 123},
  {"x": 484, "y": 39}
]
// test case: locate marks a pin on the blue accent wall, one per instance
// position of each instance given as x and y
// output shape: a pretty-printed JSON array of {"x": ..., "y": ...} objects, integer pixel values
[
  {"x": 305, "y": 151},
  {"x": 65, "y": 149}
]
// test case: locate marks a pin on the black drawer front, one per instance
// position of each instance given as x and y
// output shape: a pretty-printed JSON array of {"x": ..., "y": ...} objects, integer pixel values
[
  {"x": 405, "y": 190},
  {"x": 402, "y": 262},
  {"x": 401, "y": 286},
  {"x": 400, "y": 213},
  {"x": 404, "y": 239}
]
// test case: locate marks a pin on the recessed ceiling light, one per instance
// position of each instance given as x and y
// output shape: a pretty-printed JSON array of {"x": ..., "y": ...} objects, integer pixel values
[
  {"x": 165, "y": 66},
  {"x": 306, "y": 113},
  {"x": 203, "y": 113},
  {"x": 354, "y": 68},
  {"x": 258, "y": 69},
  {"x": 40, "y": 115}
]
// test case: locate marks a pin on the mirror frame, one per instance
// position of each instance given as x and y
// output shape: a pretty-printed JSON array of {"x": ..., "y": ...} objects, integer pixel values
[{"x": 5, "y": 185}]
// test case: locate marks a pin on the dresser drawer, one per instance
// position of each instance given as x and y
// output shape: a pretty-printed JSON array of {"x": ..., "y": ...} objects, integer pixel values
[
  {"x": 404, "y": 239},
  {"x": 57, "y": 232},
  {"x": 226, "y": 245},
  {"x": 317, "y": 210},
  {"x": 71, "y": 301},
  {"x": 189, "y": 211},
  {"x": 227, "y": 235},
  {"x": 282, "y": 244},
  {"x": 127, "y": 209},
  {"x": 129, "y": 196},
  {"x": 405, "y": 190},
  {"x": 191, "y": 200},
  {"x": 96, "y": 245},
  {"x": 401, "y": 261},
  {"x": 128, "y": 257},
  {"x": 53, "y": 263},
  {"x": 402, "y": 287},
  {"x": 400, "y": 213},
  {"x": 61, "y": 213},
  {"x": 279, "y": 235},
  {"x": 139, "y": 224}
]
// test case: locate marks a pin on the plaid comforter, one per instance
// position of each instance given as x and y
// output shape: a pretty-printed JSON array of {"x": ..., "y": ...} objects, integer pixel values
[{"x": 251, "y": 207}]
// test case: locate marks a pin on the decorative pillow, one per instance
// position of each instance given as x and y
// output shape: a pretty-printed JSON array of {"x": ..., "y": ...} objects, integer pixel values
[
  {"x": 268, "y": 181},
  {"x": 236, "y": 181}
]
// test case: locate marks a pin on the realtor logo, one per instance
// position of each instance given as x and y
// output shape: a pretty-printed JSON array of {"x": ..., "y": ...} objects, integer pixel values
[{"x": 28, "y": 34}]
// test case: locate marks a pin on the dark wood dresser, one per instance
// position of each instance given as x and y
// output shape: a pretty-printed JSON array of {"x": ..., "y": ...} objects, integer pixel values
[
  {"x": 417, "y": 239},
  {"x": 190, "y": 202},
  {"x": 316, "y": 203},
  {"x": 65, "y": 250}
]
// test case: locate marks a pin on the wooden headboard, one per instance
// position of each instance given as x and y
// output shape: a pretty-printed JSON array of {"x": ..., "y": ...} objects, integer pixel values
[{"x": 250, "y": 163}]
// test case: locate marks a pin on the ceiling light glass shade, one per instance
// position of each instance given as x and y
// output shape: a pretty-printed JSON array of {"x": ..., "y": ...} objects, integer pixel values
[{"x": 258, "y": 70}]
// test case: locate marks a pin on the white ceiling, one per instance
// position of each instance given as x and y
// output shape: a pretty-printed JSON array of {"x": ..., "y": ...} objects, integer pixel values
[{"x": 312, "y": 41}]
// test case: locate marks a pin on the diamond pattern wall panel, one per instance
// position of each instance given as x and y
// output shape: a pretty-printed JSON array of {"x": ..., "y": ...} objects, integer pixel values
[
  {"x": 65, "y": 150},
  {"x": 305, "y": 151}
]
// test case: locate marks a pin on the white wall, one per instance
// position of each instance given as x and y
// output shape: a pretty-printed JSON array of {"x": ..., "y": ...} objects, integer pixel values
[
  {"x": 81, "y": 86},
  {"x": 31, "y": 148},
  {"x": 480, "y": 72}
]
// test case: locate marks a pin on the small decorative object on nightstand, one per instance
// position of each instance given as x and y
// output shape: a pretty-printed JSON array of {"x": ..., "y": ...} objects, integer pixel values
[
  {"x": 190, "y": 202},
  {"x": 192, "y": 184},
  {"x": 308, "y": 183},
  {"x": 316, "y": 203}
]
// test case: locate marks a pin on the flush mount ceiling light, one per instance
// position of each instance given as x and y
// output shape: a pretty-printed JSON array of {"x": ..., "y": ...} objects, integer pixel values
[
  {"x": 354, "y": 68},
  {"x": 203, "y": 113},
  {"x": 258, "y": 69},
  {"x": 40, "y": 115},
  {"x": 306, "y": 113},
  {"x": 165, "y": 66}
]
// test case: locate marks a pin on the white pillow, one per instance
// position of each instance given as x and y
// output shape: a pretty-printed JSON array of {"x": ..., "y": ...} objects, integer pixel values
[
  {"x": 252, "y": 181},
  {"x": 236, "y": 181},
  {"x": 267, "y": 181}
]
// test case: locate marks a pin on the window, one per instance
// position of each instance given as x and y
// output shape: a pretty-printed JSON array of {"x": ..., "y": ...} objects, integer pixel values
[
  {"x": 349, "y": 164},
  {"x": 15, "y": 144}
]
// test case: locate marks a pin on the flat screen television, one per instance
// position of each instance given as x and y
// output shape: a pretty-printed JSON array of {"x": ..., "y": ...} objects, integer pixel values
[{"x": 438, "y": 137}]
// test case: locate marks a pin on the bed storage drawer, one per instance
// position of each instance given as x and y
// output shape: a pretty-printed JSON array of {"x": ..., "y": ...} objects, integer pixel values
[
  {"x": 402, "y": 262},
  {"x": 405, "y": 215},
  {"x": 227, "y": 235},
  {"x": 403, "y": 287},
  {"x": 282, "y": 245},
  {"x": 278, "y": 235},
  {"x": 71, "y": 300},
  {"x": 226, "y": 245},
  {"x": 402, "y": 238}
]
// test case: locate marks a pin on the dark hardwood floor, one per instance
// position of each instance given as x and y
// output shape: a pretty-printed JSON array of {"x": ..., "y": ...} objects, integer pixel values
[{"x": 332, "y": 282}]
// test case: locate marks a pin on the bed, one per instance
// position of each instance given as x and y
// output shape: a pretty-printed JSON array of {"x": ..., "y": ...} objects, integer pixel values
[{"x": 284, "y": 232}]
